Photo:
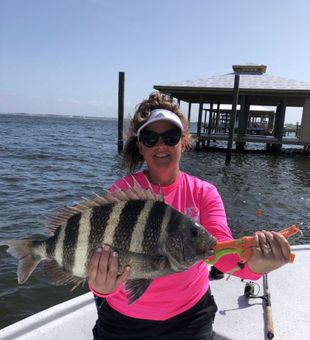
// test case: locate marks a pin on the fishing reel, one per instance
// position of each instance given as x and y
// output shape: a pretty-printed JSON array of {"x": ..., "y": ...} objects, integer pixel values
[{"x": 249, "y": 290}]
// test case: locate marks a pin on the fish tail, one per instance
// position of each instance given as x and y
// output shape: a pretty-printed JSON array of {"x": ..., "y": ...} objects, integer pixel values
[{"x": 22, "y": 250}]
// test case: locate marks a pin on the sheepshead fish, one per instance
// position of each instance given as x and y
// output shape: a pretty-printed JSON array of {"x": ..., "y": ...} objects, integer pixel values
[{"x": 151, "y": 237}]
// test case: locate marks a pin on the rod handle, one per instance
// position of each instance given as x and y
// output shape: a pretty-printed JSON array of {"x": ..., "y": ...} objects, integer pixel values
[{"x": 270, "y": 331}]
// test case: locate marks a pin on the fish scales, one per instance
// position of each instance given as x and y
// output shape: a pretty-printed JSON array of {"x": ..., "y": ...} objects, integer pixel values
[
  {"x": 113, "y": 222},
  {"x": 59, "y": 247},
  {"x": 153, "y": 227},
  {"x": 128, "y": 220},
  {"x": 81, "y": 256},
  {"x": 136, "y": 243},
  {"x": 70, "y": 241},
  {"x": 176, "y": 219},
  {"x": 51, "y": 244},
  {"x": 98, "y": 223}
]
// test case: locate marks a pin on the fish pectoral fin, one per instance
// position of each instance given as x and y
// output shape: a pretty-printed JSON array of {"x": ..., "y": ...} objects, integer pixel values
[
  {"x": 59, "y": 276},
  {"x": 136, "y": 288}
]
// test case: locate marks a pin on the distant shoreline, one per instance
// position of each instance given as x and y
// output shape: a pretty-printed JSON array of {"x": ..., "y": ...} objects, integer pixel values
[{"x": 51, "y": 115}]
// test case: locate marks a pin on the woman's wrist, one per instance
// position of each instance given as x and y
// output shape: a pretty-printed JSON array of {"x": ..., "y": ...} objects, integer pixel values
[{"x": 101, "y": 294}]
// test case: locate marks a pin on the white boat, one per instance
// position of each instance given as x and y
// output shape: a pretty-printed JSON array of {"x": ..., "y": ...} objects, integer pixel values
[{"x": 237, "y": 317}]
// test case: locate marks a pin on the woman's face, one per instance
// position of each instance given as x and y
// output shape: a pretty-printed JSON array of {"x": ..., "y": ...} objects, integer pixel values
[{"x": 161, "y": 156}]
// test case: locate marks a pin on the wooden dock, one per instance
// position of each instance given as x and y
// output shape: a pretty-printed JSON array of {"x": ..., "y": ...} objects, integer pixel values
[
  {"x": 268, "y": 140},
  {"x": 258, "y": 117}
]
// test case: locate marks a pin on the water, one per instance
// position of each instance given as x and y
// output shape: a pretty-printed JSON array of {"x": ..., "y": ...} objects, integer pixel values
[{"x": 49, "y": 162}]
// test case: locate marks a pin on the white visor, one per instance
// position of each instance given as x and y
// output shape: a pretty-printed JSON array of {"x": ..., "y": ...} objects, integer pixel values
[{"x": 162, "y": 114}]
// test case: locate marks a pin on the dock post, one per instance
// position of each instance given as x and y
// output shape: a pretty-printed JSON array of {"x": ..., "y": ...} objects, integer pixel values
[
  {"x": 217, "y": 118},
  {"x": 199, "y": 125},
  {"x": 279, "y": 125},
  {"x": 121, "y": 91},
  {"x": 243, "y": 123},
  {"x": 189, "y": 113},
  {"x": 232, "y": 119},
  {"x": 210, "y": 123}
]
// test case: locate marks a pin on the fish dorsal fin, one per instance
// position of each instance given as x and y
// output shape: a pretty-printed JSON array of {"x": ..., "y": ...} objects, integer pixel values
[
  {"x": 157, "y": 197},
  {"x": 133, "y": 192},
  {"x": 136, "y": 192}
]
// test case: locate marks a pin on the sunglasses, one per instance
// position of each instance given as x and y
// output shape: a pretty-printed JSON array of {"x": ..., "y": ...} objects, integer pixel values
[{"x": 151, "y": 138}]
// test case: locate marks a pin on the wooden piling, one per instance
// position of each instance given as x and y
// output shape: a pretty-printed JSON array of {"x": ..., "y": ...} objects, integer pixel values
[
  {"x": 243, "y": 123},
  {"x": 279, "y": 125},
  {"x": 121, "y": 93},
  {"x": 199, "y": 125},
  {"x": 232, "y": 119},
  {"x": 210, "y": 123},
  {"x": 189, "y": 112}
]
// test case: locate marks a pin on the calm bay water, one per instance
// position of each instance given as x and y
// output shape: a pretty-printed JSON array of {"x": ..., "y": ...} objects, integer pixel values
[{"x": 49, "y": 162}]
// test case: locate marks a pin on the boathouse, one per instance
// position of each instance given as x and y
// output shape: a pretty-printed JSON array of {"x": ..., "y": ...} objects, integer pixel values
[{"x": 262, "y": 103}]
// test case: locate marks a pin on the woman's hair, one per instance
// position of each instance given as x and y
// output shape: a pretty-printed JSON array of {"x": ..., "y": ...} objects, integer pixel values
[{"x": 132, "y": 159}]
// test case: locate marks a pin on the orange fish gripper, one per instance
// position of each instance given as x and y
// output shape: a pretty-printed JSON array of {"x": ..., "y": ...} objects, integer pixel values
[{"x": 244, "y": 246}]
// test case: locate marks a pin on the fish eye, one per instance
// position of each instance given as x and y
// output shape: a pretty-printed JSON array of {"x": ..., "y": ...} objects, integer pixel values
[{"x": 194, "y": 232}]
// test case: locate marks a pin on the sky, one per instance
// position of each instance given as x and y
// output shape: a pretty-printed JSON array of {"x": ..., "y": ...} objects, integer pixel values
[{"x": 64, "y": 56}]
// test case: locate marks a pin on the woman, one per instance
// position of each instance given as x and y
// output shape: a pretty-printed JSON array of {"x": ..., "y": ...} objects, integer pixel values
[{"x": 177, "y": 306}]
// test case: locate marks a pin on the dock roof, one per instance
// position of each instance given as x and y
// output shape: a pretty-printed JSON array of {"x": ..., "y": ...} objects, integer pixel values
[{"x": 262, "y": 88}]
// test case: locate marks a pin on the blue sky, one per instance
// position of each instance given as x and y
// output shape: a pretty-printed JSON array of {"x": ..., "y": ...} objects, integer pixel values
[{"x": 63, "y": 56}]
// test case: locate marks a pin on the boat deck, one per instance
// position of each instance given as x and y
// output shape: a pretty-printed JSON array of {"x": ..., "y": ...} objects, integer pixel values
[{"x": 237, "y": 316}]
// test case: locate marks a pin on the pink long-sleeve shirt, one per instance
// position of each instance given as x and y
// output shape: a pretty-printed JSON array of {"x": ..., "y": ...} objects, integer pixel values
[{"x": 173, "y": 294}]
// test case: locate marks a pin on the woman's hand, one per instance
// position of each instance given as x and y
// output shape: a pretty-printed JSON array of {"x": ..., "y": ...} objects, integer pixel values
[
  {"x": 271, "y": 250},
  {"x": 103, "y": 271}
]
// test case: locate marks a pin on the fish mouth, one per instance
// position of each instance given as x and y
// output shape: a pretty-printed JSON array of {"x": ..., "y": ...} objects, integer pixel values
[
  {"x": 209, "y": 252},
  {"x": 203, "y": 255}
]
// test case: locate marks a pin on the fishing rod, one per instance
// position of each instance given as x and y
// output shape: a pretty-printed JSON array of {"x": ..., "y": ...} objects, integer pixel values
[
  {"x": 267, "y": 299},
  {"x": 249, "y": 287},
  {"x": 268, "y": 315},
  {"x": 249, "y": 293}
]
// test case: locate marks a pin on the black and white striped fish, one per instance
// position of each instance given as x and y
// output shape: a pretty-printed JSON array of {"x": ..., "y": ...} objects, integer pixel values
[{"x": 151, "y": 237}]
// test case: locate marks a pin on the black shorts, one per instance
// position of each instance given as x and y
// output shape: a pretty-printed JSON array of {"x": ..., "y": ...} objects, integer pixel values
[{"x": 193, "y": 324}]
